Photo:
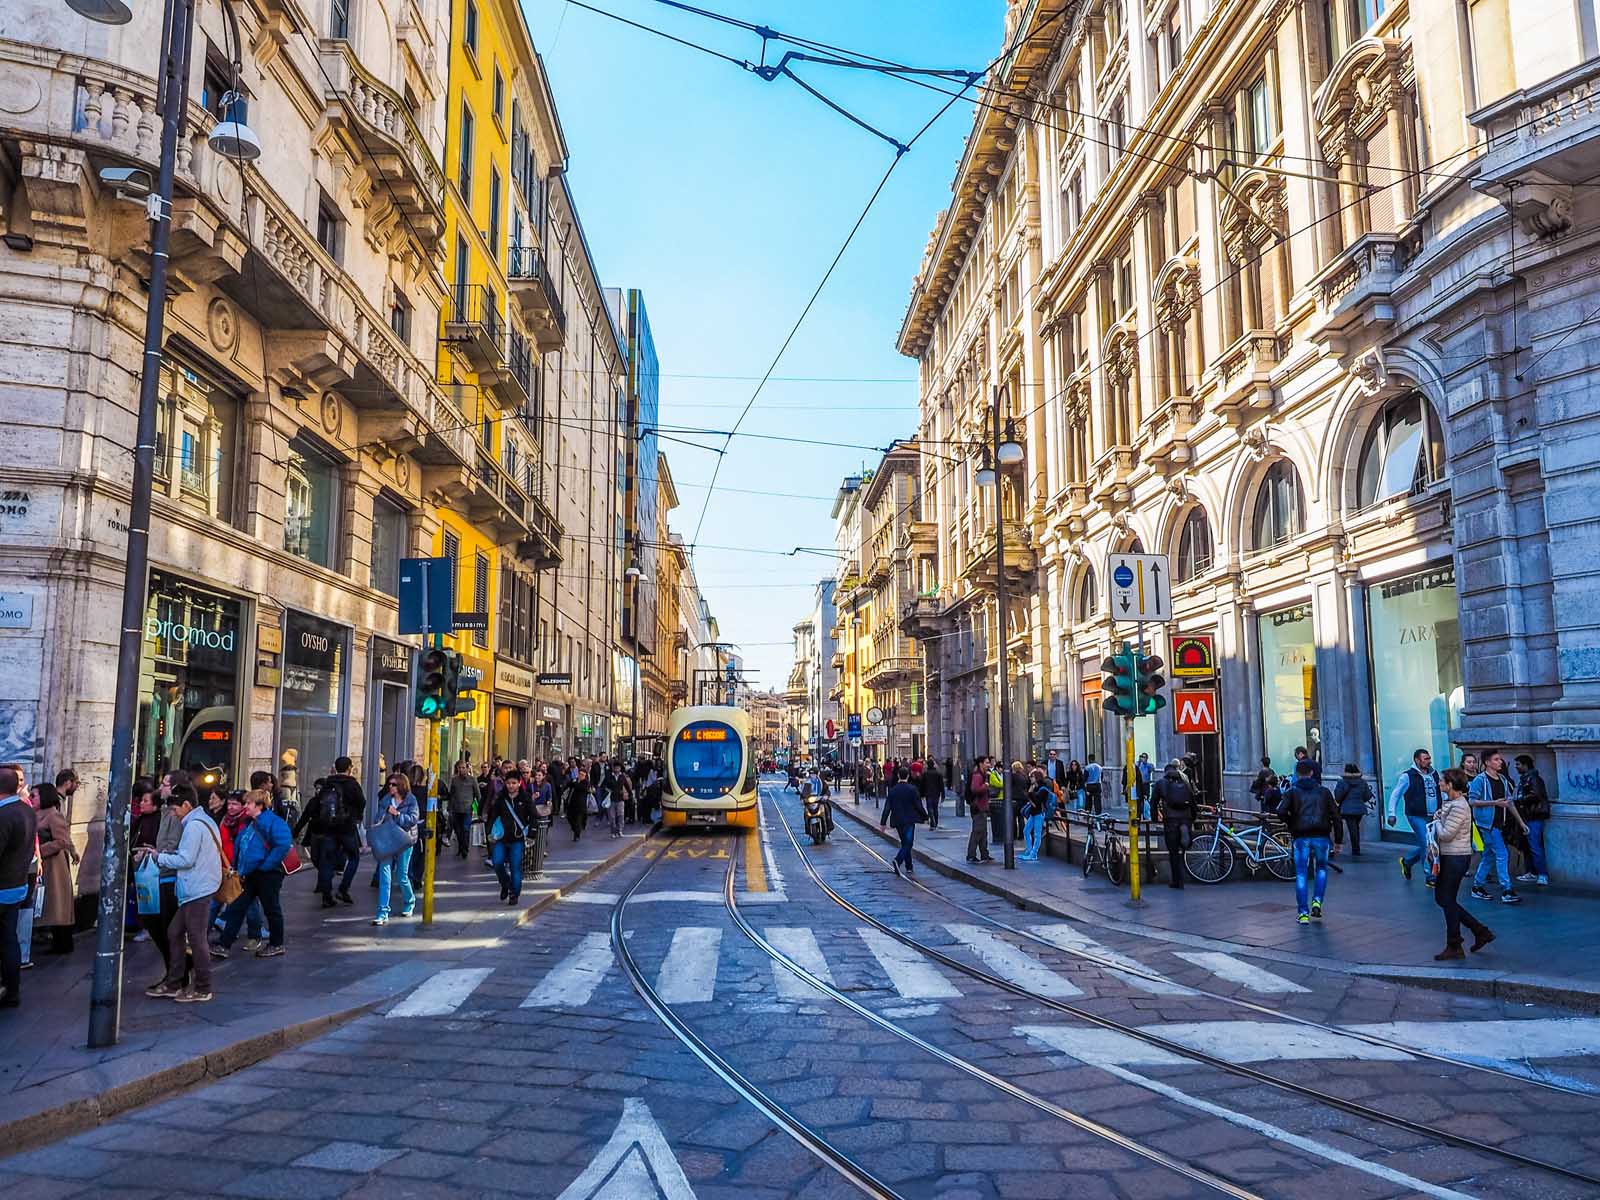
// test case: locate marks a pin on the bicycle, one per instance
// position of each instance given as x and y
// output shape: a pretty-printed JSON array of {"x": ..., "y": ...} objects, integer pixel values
[
  {"x": 1210, "y": 856},
  {"x": 1106, "y": 852}
]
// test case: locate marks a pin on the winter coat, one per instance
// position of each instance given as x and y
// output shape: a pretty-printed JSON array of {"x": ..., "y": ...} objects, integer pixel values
[
  {"x": 978, "y": 796},
  {"x": 1352, "y": 794},
  {"x": 1533, "y": 798},
  {"x": 262, "y": 843},
  {"x": 56, "y": 856},
  {"x": 1307, "y": 808},
  {"x": 1174, "y": 798},
  {"x": 463, "y": 792},
  {"x": 197, "y": 861},
  {"x": 1452, "y": 827},
  {"x": 903, "y": 807}
]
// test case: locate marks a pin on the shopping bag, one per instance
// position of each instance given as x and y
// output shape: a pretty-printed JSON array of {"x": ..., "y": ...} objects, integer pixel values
[
  {"x": 38, "y": 899},
  {"x": 1477, "y": 838},
  {"x": 477, "y": 833},
  {"x": 147, "y": 886},
  {"x": 389, "y": 840}
]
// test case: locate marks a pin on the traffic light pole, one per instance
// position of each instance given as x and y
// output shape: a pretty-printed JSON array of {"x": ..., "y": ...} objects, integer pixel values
[
  {"x": 430, "y": 847},
  {"x": 1130, "y": 767}
]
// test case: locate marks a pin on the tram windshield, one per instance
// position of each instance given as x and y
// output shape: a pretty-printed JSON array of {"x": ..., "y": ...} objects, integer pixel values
[{"x": 707, "y": 759}]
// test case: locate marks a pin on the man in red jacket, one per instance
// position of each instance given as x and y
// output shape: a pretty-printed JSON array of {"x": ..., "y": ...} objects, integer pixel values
[{"x": 978, "y": 840}]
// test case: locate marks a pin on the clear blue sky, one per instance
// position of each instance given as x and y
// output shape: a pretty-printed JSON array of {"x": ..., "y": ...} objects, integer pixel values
[{"x": 724, "y": 198}]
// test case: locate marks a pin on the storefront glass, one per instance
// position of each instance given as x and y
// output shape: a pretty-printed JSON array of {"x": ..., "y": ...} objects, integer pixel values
[
  {"x": 311, "y": 712},
  {"x": 510, "y": 721},
  {"x": 1289, "y": 715},
  {"x": 189, "y": 681},
  {"x": 1414, "y": 643},
  {"x": 391, "y": 708}
]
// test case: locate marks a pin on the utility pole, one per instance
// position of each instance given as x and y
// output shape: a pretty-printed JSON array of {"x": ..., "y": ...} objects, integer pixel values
[{"x": 1001, "y": 601}]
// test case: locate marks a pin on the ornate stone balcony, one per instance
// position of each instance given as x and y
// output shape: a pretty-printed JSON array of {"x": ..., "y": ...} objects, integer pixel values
[
  {"x": 1022, "y": 559},
  {"x": 1113, "y": 477},
  {"x": 383, "y": 130},
  {"x": 921, "y": 537},
  {"x": 542, "y": 546},
  {"x": 1166, "y": 435},
  {"x": 1544, "y": 139},
  {"x": 923, "y": 617},
  {"x": 1356, "y": 289},
  {"x": 1244, "y": 377},
  {"x": 893, "y": 672},
  {"x": 879, "y": 567}
]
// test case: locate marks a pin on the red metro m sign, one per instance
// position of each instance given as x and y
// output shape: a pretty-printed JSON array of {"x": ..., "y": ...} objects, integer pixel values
[{"x": 1194, "y": 711}]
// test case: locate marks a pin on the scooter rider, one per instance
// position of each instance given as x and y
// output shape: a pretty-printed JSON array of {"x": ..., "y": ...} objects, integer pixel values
[{"x": 813, "y": 790}]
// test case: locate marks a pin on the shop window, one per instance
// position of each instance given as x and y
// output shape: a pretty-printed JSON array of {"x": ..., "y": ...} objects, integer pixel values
[
  {"x": 1088, "y": 597},
  {"x": 1194, "y": 546},
  {"x": 1289, "y": 714},
  {"x": 188, "y": 719},
  {"x": 311, "y": 504},
  {"x": 1280, "y": 511},
  {"x": 388, "y": 544},
  {"x": 1403, "y": 454},
  {"x": 311, "y": 718}
]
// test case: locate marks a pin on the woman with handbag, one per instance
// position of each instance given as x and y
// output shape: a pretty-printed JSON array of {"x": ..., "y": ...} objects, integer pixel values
[
  {"x": 510, "y": 818},
  {"x": 391, "y": 840},
  {"x": 57, "y": 855},
  {"x": 578, "y": 800},
  {"x": 1451, "y": 846},
  {"x": 261, "y": 852}
]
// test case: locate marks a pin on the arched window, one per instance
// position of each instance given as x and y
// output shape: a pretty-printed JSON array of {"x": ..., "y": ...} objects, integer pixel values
[
  {"x": 1280, "y": 512},
  {"x": 1404, "y": 452},
  {"x": 1088, "y": 597},
  {"x": 1194, "y": 546}
]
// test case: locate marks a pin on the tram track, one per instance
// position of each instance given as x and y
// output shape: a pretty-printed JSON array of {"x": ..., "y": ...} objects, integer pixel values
[{"x": 1153, "y": 1039}]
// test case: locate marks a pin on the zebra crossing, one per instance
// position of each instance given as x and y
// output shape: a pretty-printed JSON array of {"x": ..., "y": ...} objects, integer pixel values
[{"x": 687, "y": 973}]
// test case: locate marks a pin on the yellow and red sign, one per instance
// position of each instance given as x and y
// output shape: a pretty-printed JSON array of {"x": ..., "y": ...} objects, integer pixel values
[{"x": 1194, "y": 656}]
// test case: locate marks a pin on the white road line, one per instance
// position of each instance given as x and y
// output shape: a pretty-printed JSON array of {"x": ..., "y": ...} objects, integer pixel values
[
  {"x": 800, "y": 945},
  {"x": 1236, "y": 1041},
  {"x": 689, "y": 972},
  {"x": 572, "y": 981},
  {"x": 1068, "y": 938},
  {"x": 441, "y": 993},
  {"x": 1234, "y": 970},
  {"x": 1513, "y": 1041},
  {"x": 774, "y": 876},
  {"x": 1006, "y": 961},
  {"x": 669, "y": 897},
  {"x": 1410, "y": 1183},
  {"x": 913, "y": 976}
]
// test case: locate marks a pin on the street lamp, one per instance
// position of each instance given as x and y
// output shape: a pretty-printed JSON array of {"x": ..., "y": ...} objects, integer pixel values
[
  {"x": 635, "y": 575},
  {"x": 1007, "y": 452},
  {"x": 230, "y": 136}
]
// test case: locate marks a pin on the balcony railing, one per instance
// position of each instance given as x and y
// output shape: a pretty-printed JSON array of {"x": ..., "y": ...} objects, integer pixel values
[
  {"x": 893, "y": 672},
  {"x": 474, "y": 328},
  {"x": 535, "y": 291},
  {"x": 496, "y": 503},
  {"x": 920, "y": 617},
  {"x": 519, "y": 360}
]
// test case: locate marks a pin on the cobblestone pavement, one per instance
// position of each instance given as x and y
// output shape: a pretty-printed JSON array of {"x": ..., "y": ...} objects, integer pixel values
[{"x": 532, "y": 1068}]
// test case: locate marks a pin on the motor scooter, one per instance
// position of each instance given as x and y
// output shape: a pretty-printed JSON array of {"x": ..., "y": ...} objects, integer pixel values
[{"x": 819, "y": 819}]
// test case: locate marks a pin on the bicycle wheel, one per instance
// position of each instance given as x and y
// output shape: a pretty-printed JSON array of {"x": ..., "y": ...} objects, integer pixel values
[
  {"x": 1088, "y": 857},
  {"x": 1278, "y": 857},
  {"x": 1209, "y": 859},
  {"x": 1116, "y": 863}
]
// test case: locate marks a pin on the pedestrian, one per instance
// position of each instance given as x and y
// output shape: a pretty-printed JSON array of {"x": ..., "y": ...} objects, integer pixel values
[
  {"x": 902, "y": 808},
  {"x": 260, "y": 849},
  {"x": 1019, "y": 779},
  {"x": 197, "y": 868},
  {"x": 1416, "y": 796},
  {"x": 25, "y": 917},
  {"x": 57, "y": 855},
  {"x": 334, "y": 817},
  {"x": 1176, "y": 806},
  {"x": 400, "y": 809},
  {"x": 1452, "y": 838},
  {"x": 932, "y": 791},
  {"x": 978, "y": 801},
  {"x": 1302, "y": 755},
  {"x": 1092, "y": 773},
  {"x": 1308, "y": 810},
  {"x": 1493, "y": 811},
  {"x": 1055, "y": 770},
  {"x": 1353, "y": 795},
  {"x": 1265, "y": 788},
  {"x": 1036, "y": 811},
  {"x": 1145, "y": 772},
  {"x": 460, "y": 799},
  {"x": 1533, "y": 806},
  {"x": 1471, "y": 765},
  {"x": 18, "y": 833},
  {"x": 508, "y": 823},
  {"x": 233, "y": 823},
  {"x": 621, "y": 801}
]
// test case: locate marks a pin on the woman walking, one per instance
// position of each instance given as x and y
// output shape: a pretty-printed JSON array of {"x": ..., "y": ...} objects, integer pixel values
[
  {"x": 1041, "y": 800},
  {"x": 1452, "y": 835},
  {"x": 56, "y": 858},
  {"x": 1352, "y": 794},
  {"x": 400, "y": 809},
  {"x": 577, "y": 799}
]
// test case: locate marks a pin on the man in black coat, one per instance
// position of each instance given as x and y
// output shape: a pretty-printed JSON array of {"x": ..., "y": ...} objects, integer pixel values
[
  {"x": 932, "y": 791},
  {"x": 1174, "y": 799},
  {"x": 334, "y": 816},
  {"x": 903, "y": 809}
]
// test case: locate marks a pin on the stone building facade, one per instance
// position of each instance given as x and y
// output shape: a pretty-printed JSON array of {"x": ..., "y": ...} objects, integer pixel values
[{"x": 1292, "y": 292}]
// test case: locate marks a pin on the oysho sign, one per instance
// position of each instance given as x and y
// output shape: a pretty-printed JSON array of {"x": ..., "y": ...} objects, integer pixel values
[{"x": 158, "y": 629}]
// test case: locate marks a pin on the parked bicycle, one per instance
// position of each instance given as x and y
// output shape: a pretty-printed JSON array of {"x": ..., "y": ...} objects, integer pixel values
[
  {"x": 1211, "y": 855},
  {"x": 1104, "y": 849}
]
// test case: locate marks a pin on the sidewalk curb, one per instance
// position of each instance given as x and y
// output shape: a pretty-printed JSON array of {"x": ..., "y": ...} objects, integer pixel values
[
  {"x": 1517, "y": 987},
  {"x": 112, "y": 1088}
]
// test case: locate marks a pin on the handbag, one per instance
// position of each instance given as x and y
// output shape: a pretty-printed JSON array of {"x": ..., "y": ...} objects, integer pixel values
[
  {"x": 147, "y": 886},
  {"x": 1477, "y": 838},
  {"x": 291, "y": 861},
  {"x": 229, "y": 889},
  {"x": 389, "y": 840},
  {"x": 38, "y": 899}
]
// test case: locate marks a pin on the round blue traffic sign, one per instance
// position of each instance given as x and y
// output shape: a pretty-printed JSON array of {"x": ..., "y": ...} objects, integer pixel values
[{"x": 1123, "y": 575}]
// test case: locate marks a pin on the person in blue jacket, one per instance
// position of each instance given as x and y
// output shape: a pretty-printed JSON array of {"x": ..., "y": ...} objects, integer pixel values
[{"x": 258, "y": 858}]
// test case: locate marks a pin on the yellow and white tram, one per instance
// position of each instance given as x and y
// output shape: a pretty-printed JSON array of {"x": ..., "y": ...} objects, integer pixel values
[{"x": 711, "y": 768}]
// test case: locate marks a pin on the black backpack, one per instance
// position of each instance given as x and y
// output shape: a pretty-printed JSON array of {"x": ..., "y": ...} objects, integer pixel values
[{"x": 329, "y": 805}]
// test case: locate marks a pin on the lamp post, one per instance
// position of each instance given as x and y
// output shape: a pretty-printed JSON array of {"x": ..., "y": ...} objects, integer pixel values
[
  {"x": 634, "y": 575},
  {"x": 1006, "y": 452},
  {"x": 233, "y": 138}
]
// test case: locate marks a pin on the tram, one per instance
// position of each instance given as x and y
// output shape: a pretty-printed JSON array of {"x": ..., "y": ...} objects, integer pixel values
[{"x": 711, "y": 768}]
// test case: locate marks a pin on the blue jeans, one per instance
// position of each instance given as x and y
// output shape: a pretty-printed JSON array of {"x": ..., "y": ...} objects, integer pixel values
[
  {"x": 903, "y": 855},
  {"x": 252, "y": 918},
  {"x": 1310, "y": 852},
  {"x": 335, "y": 853},
  {"x": 1032, "y": 836},
  {"x": 1419, "y": 827},
  {"x": 390, "y": 869},
  {"x": 506, "y": 858},
  {"x": 1494, "y": 850},
  {"x": 1536, "y": 846}
]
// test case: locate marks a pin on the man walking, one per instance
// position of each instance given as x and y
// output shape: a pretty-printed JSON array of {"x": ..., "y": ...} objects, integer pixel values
[
  {"x": 1091, "y": 784},
  {"x": 18, "y": 830},
  {"x": 1175, "y": 802},
  {"x": 334, "y": 816},
  {"x": 1145, "y": 772},
  {"x": 1308, "y": 810},
  {"x": 462, "y": 796},
  {"x": 903, "y": 809},
  {"x": 1533, "y": 806},
  {"x": 978, "y": 801},
  {"x": 1492, "y": 810},
  {"x": 932, "y": 791},
  {"x": 1416, "y": 795}
]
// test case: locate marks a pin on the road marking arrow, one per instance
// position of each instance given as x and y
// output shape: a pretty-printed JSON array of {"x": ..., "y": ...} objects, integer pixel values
[{"x": 636, "y": 1164}]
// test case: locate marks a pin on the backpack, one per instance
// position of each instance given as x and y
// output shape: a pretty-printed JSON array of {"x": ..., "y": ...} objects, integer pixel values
[{"x": 329, "y": 803}]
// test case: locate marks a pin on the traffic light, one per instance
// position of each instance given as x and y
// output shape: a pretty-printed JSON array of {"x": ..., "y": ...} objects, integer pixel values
[
  {"x": 1117, "y": 685},
  {"x": 1150, "y": 682},
  {"x": 455, "y": 704},
  {"x": 431, "y": 676}
]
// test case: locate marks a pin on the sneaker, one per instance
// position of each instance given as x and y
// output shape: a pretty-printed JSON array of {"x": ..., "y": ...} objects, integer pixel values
[
  {"x": 1543, "y": 881},
  {"x": 1405, "y": 867},
  {"x": 1510, "y": 898},
  {"x": 380, "y": 920},
  {"x": 141, "y": 936},
  {"x": 1432, "y": 882},
  {"x": 406, "y": 912},
  {"x": 162, "y": 990},
  {"x": 1316, "y": 909},
  {"x": 218, "y": 950},
  {"x": 1304, "y": 918},
  {"x": 270, "y": 951},
  {"x": 1479, "y": 893},
  {"x": 344, "y": 898},
  {"x": 1527, "y": 877},
  {"x": 253, "y": 944},
  {"x": 193, "y": 996}
]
